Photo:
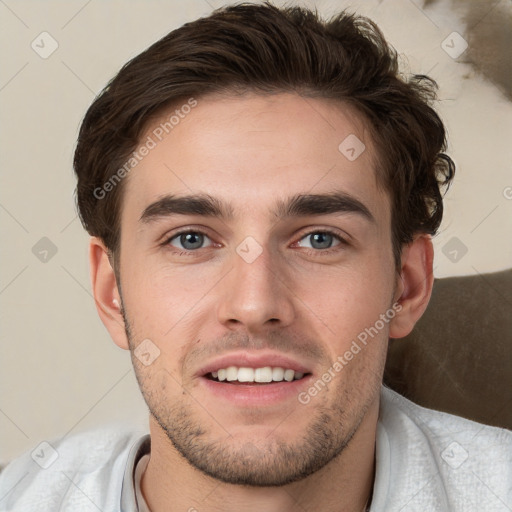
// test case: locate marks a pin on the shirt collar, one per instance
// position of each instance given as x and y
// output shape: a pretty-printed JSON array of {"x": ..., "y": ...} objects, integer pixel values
[{"x": 128, "y": 493}]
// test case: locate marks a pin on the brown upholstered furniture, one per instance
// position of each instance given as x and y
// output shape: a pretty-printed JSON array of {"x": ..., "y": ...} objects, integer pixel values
[{"x": 458, "y": 358}]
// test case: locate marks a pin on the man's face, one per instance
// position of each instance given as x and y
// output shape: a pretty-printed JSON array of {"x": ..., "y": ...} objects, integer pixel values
[{"x": 258, "y": 289}]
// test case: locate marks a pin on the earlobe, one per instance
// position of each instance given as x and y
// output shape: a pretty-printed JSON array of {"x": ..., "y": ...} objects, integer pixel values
[
  {"x": 106, "y": 293},
  {"x": 414, "y": 287}
]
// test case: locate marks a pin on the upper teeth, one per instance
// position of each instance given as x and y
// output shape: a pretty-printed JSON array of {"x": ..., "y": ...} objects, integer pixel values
[{"x": 265, "y": 374}]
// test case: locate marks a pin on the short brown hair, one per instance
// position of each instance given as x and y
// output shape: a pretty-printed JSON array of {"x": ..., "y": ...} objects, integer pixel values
[{"x": 265, "y": 49}]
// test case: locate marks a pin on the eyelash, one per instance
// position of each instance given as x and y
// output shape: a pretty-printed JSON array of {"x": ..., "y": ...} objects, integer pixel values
[{"x": 328, "y": 251}]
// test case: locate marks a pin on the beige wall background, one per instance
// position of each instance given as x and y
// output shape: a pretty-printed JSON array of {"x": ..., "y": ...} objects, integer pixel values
[{"x": 59, "y": 371}]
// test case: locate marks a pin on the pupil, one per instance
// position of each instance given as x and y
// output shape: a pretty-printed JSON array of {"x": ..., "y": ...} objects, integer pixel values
[
  {"x": 323, "y": 239},
  {"x": 195, "y": 239}
]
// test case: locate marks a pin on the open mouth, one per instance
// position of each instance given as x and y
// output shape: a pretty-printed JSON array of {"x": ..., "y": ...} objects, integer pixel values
[{"x": 261, "y": 376}]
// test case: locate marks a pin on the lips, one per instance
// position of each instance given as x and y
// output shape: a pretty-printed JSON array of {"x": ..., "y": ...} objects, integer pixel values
[
  {"x": 262, "y": 375},
  {"x": 254, "y": 367},
  {"x": 242, "y": 392}
]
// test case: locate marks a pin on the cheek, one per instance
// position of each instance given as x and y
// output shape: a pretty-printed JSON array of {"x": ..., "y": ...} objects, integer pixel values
[
  {"x": 164, "y": 299},
  {"x": 167, "y": 307},
  {"x": 350, "y": 296},
  {"x": 347, "y": 307}
]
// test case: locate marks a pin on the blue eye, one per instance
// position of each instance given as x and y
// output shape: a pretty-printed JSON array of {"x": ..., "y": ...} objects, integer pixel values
[
  {"x": 189, "y": 240},
  {"x": 322, "y": 239}
]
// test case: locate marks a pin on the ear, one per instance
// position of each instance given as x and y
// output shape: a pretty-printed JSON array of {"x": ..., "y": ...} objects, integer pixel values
[
  {"x": 414, "y": 285},
  {"x": 106, "y": 293}
]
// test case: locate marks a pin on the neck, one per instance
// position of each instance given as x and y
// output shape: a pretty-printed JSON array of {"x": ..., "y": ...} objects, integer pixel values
[{"x": 343, "y": 485}]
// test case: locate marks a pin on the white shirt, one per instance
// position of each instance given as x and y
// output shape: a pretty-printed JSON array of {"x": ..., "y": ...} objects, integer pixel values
[{"x": 425, "y": 461}]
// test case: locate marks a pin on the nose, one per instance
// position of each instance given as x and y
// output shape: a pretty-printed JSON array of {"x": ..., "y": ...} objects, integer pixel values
[{"x": 255, "y": 294}]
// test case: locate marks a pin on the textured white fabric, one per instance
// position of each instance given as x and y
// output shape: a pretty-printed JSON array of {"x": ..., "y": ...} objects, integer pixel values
[
  {"x": 425, "y": 461},
  {"x": 432, "y": 461}
]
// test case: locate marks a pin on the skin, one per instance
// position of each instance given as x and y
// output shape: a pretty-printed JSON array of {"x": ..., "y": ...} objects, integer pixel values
[{"x": 252, "y": 151}]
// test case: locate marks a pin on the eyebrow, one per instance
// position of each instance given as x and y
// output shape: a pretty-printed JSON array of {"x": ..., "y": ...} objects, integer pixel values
[{"x": 296, "y": 206}]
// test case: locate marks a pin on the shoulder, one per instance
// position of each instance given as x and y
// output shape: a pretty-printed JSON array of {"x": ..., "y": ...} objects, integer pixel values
[
  {"x": 441, "y": 459},
  {"x": 72, "y": 473},
  {"x": 436, "y": 426}
]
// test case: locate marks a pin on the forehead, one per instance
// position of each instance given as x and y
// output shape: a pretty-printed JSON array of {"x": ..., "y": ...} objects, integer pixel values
[{"x": 251, "y": 151}]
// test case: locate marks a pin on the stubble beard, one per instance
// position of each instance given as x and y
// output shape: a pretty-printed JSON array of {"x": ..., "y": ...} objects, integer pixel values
[{"x": 265, "y": 462}]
